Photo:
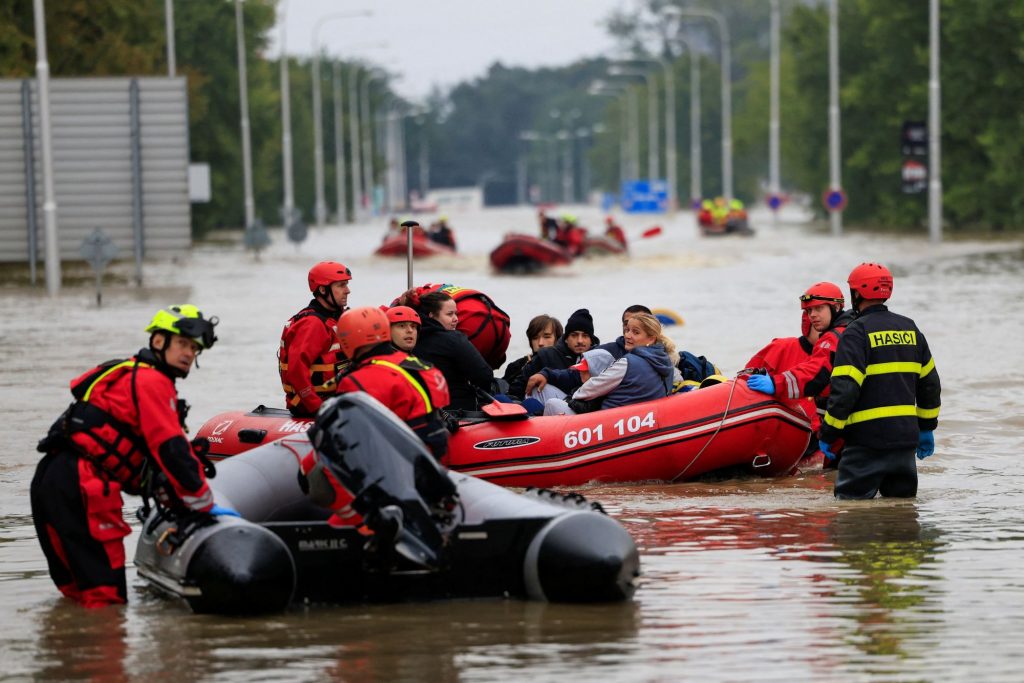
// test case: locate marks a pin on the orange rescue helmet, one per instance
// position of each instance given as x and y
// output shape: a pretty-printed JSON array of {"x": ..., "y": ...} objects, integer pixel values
[
  {"x": 823, "y": 293},
  {"x": 403, "y": 314},
  {"x": 325, "y": 273},
  {"x": 870, "y": 281},
  {"x": 360, "y": 327}
]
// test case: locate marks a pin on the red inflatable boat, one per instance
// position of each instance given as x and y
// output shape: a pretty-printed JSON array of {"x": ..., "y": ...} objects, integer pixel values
[
  {"x": 396, "y": 245},
  {"x": 527, "y": 254},
  {"x": 672, "y": 439},
  {"x": 602, "y": 245}
]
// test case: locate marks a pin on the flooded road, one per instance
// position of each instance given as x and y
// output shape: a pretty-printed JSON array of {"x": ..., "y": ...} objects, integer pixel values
[{"x": 742, "y": 579}]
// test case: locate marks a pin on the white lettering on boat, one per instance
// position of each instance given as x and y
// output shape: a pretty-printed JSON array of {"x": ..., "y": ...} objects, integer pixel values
[
  {"x": 294, "y": 426},
  {"x": 626, "y": 425}
]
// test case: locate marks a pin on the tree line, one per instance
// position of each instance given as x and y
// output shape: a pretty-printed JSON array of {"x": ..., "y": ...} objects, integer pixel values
[{"x": 492, "y": 130}]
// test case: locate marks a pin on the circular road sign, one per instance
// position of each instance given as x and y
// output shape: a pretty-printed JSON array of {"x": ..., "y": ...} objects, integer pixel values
[
  {"x": 834, "y": 200},
  {"x": 774, "y": 202}
]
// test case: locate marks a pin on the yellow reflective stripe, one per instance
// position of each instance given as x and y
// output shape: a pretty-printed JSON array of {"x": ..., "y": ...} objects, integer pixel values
[
  {"x": 848, "y": 371},
  {"x": 409, "y": 378},
  {"x": 879, "y": 413},
  {"x": 127, "y": 363},
  {"x": 927, "y": 413},
  {"x": 834, "y": 422},
  {"x": 928, "y": 367},
  {"x": 896, "y": 366}
]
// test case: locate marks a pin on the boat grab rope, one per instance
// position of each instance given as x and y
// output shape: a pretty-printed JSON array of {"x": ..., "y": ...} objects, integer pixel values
[{"x": 725, "y": 413}]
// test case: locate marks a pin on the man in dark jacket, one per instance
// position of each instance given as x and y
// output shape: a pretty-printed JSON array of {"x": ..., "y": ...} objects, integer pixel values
[
  {"x": 578, "y": 337},
  {"x": 885, "y": 395}
]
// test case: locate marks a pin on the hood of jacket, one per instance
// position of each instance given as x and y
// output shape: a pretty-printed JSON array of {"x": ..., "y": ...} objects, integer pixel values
[{"x": 658, "y": 358}]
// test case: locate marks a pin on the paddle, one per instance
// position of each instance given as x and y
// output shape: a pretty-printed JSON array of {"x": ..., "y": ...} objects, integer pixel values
[
  {"x": 651, "y": 232},
  {"x": 498, "y": 410}
]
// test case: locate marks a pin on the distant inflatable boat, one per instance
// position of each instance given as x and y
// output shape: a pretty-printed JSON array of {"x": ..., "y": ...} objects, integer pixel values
[
  {"x": 677, "y": 438},
  {"x": 602, "y": 245},
  {"x": 519, "y": 253},
  {"x": 396, "y": 245},
  {"x": 436, "y": 534}
]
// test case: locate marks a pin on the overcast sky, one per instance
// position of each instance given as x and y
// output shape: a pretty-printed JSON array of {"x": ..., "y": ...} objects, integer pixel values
[{"x": 445, "y": 42}]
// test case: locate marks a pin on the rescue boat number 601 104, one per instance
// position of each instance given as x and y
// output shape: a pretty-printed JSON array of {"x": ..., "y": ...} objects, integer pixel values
[{"x": 621, "y": 427}]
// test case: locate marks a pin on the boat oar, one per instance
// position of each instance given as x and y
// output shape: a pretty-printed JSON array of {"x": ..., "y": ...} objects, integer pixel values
[
  {"x": 651, "y": 232},
  {"x": 501, "y": 411}
]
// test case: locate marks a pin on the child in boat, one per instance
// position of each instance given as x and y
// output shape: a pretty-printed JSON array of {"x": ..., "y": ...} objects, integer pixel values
[
  {"x": 644, "y": 373},
  {"x": 543, "y": 331}
]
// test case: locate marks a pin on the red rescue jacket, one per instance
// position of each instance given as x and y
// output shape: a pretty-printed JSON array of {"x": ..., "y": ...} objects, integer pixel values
[
  {"x": 309, "y": 358},
  {"x": 127, "y": 414},
  {"x": 778, "y": 356},
  {"x": 412, "y": 389}
]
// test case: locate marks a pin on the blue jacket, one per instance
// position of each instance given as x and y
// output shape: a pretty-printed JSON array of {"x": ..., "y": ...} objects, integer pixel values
[{"x": 643, "y": 374}]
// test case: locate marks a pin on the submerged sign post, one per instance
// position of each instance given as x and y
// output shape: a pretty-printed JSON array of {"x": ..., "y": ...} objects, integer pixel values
[
  {"x": 645, "y": 196},
  {"x": 98, "y": 250}
]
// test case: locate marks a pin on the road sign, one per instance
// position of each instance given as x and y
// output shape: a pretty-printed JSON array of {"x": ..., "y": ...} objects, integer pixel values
[
  {"x": 834, "y": 200},
  {"x": 774, "y": 202},
  {"x": 645, "y": 196},
  {"x": 256, "y": 237},
  {"x": 915, "y": 176},
  {"x": 98, "y": 250}
]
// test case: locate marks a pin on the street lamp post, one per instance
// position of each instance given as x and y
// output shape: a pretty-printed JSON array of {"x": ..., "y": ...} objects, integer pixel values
[
  {"x": 934, "y": 127},
  {"x": 169, "y": 24},
  {"x": 835, "y": 179},
  {"x": 339, "y": 147},
  {"x": 46, "y": 142},
  {"x": 601, "y": 89},
  {"x": 652, "y": 114},
  {"x": 286, "y": 119},
  {"x": 773, "y": 114},
  {"x": 367, "y": 134},
  {"x": 243, "y": 88},
  {"x": 318, "y": 126},
  {"x": 723, "y": 28}
]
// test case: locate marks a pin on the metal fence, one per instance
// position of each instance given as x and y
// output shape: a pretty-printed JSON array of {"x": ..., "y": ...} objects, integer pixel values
[{"x": 120, "y": 157}]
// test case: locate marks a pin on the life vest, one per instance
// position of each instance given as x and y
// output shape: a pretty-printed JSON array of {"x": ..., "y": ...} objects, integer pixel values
[
  {"x": 425, "y": 381},
  {"x": 113, "y": 446},
  {"x": 487, "y": 326},
  {"x": 324, "y": 368}
]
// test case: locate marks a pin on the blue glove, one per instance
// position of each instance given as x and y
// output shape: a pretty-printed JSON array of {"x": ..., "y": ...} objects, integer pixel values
[
  {"x": 925, "y": 445},
  {"x": 762, "y": 383},
  {"x": 826, "y": 448},
  {"x": 219, "y": 510}
]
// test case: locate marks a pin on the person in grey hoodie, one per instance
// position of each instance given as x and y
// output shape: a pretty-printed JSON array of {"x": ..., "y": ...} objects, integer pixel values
[{"x": 643, "y": 374}]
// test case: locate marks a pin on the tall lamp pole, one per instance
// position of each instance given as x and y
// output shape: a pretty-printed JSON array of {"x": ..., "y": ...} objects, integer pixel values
[
  {"x": 169, "y": 23},
  {"x": 835, "y": 178},
  {"x": 934, "y": 127},
  {"x": 243, "y": 97},
  {"x": 46, "y": 141},
  {"x": 318, "y": 125},
  {"x": 774, "y": 185},
  {"x": 286, "y": 119},
  {"x": 726, "y": 61}
]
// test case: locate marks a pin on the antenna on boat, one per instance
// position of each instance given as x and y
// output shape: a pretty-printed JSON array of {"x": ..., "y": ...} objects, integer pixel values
[{"x": 409, "y": 225}]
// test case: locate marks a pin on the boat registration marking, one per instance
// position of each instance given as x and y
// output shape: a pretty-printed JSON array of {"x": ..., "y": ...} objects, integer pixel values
[{"x": 621, "y": 427}]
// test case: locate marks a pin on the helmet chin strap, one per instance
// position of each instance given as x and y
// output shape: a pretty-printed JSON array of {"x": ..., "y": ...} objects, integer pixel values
[{"x": 328, "y": 296}]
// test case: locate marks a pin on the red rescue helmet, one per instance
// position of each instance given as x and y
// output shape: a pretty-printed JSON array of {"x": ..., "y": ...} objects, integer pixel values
[
  {"x": 823, "y": 293},
  {"x": 327, "y": 272},
  {"x": 361, "y": 326},
  {"x": 870, "y": 281},
  {"x": 403, "y": 314}
]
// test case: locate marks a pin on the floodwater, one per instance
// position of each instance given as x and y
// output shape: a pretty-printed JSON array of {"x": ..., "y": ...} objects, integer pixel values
[{"x": 742, "y": 579}]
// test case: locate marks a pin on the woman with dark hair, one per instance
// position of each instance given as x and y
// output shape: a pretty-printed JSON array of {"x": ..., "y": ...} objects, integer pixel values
[
  {"x": 543, "y": 331},
  {"x": 448, "y": 349}
]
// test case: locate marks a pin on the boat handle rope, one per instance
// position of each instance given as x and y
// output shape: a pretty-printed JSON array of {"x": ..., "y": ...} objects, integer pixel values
[{"x": 728, "y": 404}]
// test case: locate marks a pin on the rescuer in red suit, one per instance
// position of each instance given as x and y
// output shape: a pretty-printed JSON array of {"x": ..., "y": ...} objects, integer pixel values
[
  {"x": 412, "y": 389},
  {"x": 800, "y": 368},
  {"x": 124, "y": 432},
  {"x": 309, "y": 358}
]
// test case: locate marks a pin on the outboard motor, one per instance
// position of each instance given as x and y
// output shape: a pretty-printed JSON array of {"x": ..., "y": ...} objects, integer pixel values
[{"x": 403, "y": 494}]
